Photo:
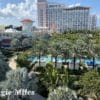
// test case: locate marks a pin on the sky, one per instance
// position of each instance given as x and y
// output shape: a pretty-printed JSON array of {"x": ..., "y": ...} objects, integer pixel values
[{"x": 13, "y": 11}]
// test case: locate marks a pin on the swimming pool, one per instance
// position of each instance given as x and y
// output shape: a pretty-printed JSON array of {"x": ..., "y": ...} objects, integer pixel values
[{"x": 47, "y": 59}]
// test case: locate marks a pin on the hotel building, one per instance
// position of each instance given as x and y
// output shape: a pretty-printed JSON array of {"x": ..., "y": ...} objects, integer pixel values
[
  {"x": 92, "y": 22},
  {"x": 42, "y": 13},
  {"x": 58, "y": 17}
]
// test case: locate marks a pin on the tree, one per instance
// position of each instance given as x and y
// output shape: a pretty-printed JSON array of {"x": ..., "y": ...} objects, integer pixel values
[
  {"x": 51, "y": 77},
  {"x": 26, "y": 42},
  {"x": 54, "y": 50},
  {"x": 62, "y": 93},
  {"x": 3, "y": 68},
  {"x": 6, "y": 54},
  {"x": 18, "y": 28},
  {"x": 2, "y": 57},
  {"x": 40, "y": 48},
  {"x": 20, "y": 79},
  {"x": 90, "y": 84},
  {"x": 22, "y": 60},
  {"x": 9, "y": 26},
  {"x": 96, "y": 38},
  {"x": 20, "y": 42},
  {"x": 66, "y": 48}
]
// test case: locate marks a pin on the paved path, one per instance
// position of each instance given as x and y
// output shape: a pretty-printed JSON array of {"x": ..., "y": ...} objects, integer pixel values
[{"x": 12, "y": 62}]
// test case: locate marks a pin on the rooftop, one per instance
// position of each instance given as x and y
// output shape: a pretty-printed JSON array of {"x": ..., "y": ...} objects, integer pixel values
[
  {"x": 10, "y": 30},
  {"x": 75, "y": 7},
  {"x": 27, "y": 20},
  {"x": 78, "y": 7}
]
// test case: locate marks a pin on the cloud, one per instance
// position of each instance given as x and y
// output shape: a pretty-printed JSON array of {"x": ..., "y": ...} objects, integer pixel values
[{"x": 25, "y": 9}]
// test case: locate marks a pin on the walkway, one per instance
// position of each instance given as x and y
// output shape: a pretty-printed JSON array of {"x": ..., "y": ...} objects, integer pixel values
[{"x": 12, "y": 62}]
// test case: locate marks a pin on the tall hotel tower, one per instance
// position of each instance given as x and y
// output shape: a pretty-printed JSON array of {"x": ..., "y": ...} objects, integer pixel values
[{"x": 42, "y": 13}]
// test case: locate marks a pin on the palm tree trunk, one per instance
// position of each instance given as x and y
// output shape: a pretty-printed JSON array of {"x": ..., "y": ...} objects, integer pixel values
[
  {"x": 93, "y": 62},
  {"x": 55, "y": 61},
  {"x": 39, "y": 59},
  {"x": 74, "y": 62}
]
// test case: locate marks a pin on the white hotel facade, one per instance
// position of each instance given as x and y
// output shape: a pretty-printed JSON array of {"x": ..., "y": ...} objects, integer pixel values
[{"x": 58, "y": 17}]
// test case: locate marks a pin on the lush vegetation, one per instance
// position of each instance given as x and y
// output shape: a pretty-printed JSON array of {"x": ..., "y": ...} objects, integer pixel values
[
  {"x": 3, "y": 67},
  {"x": 49, "y": 81},
  {"x": 22, "y": 60},
  {"x": 62, "y": 93},
  {"x": 89, "y": 83}
]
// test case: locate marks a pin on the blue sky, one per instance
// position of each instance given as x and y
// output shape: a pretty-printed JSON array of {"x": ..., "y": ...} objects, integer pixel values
[{"x": 12, "y": 11}]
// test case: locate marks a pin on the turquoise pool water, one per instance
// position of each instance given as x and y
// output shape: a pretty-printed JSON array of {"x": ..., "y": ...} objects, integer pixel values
[{"x": 47, "y": 59}]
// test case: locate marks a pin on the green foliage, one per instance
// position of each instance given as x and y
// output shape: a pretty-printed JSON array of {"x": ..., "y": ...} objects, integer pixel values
[
  {"x": 90, "y": 83},
  {"x": 80, "y": 43},
  {"x": 73, "y": 82},
  {"x": 19, "y": 79},
  {"x": 3, "y": 67},
  {"x": 74, "y": 43},
  {"x": 62, "y": 93},
  {"x": 22, "y": 60},
  {"x": 7, "y": 53},
  {"x": 50, "y": 64},
  {"x": 40, "y": 46},
  {"x": 77, "y": 43},
  {"x": 52, "y": 77},
  {"x": 21, "y": 42}
]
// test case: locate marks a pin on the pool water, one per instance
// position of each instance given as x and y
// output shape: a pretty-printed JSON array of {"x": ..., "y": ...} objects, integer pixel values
[{"x": 47, "y": 59}]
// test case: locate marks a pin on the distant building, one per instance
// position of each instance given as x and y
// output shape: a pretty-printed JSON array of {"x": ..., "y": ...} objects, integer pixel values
[
  {"x": 55, "y": 16},
  {"x": 92, "y": 22},
  {"x": 27, "y": 27},
  {"x": 61, "y": 18},
  {"x": 42, "y": 13},
  {"x": 58, "y": 17},
  {"x": 6, "y": 37}
]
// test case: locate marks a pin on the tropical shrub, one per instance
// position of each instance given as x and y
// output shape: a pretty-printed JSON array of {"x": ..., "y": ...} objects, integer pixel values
[
  {"x": 90, "y": 84},
  {"x": 62, "y": 93},
  {"x": 19, "y": 79},
  {"x": 22, "y": 60},
  {"x": 7, "y": 53},
  {"x": 52, "y": 77},
  {"x": 3, "y": 69}
]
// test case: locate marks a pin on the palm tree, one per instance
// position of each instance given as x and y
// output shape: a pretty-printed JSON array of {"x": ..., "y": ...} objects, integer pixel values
[
  {"x": 91, "y": 48},
  {"x": 80, "y": 48},
  {"x": 40, "y": 48},
  {"x": 55, "y": 49},
  {"x": 66, "y": 49}
]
